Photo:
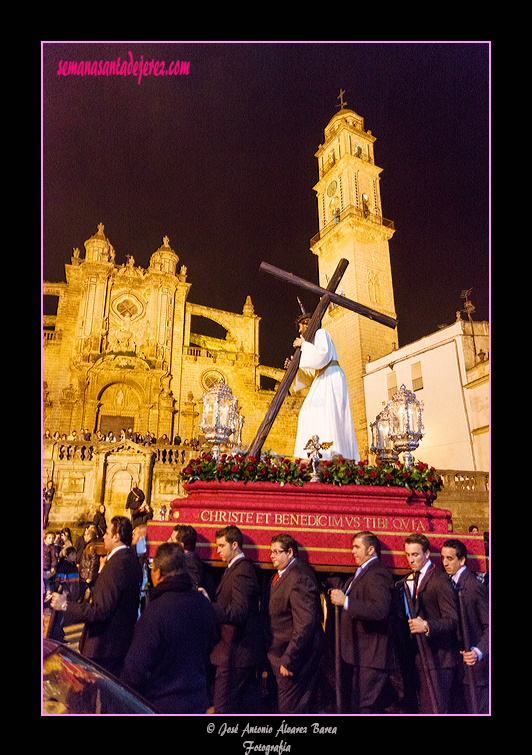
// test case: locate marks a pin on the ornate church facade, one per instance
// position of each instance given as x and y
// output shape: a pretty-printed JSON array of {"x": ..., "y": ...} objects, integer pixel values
[{"x": 121, "y": 352}]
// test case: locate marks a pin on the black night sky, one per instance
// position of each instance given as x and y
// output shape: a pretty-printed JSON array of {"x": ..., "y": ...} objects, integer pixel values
[{"x": 222, "y": 162}]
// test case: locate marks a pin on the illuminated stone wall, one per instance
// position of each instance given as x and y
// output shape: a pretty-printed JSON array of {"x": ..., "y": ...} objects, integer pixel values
[{"x": 122, "y": 352}]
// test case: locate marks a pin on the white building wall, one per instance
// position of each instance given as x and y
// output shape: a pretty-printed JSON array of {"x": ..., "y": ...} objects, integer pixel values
[{"x": 456, "y": 437}]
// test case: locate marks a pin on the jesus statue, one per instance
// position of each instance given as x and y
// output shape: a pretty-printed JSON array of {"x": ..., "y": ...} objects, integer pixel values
[{"x": 325, "y": 411}]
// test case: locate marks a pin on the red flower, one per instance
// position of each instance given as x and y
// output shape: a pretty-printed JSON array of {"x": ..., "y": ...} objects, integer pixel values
[
  {"x": 389, "y": 476},
  {"x": 235, "y": 468},
  {"x": 252, "y": 460},
  {"x": 361, "y": 473},
  {"x": 373, "y": 474}
]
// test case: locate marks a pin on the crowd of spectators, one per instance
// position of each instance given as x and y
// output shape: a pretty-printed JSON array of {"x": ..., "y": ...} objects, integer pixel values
[{"x": 146, "y": 439}]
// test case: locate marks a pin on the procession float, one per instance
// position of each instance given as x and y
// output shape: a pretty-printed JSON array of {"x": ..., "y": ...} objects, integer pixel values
[{"x": 320, "y": 502}]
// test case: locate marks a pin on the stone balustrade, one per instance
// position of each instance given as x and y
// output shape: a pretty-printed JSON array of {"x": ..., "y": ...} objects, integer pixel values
[
  {"x": 466, "y": 494},
  {"x": 463, "y": 481},
  {"x": 87, "y": 473},
  {"x": 83, "y": 450}
]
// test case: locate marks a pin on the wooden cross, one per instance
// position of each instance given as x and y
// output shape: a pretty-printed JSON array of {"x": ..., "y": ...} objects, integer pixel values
[{"x": 327, "y": 295}]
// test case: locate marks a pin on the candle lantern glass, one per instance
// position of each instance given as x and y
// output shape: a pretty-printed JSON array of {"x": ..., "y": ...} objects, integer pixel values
[
  {"x": 218, "y": 421},
  {"x": 382, "y": 433}
]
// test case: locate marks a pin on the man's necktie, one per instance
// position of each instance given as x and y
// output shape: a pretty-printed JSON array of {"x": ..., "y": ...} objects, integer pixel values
[
  {"x": 416, "y": 576},
  {"x": 275, "y": 579},
  {"x": 350, "y": 585}
]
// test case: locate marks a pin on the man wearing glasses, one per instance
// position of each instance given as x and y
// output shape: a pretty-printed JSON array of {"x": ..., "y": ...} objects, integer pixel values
[{"x": 294, "y": 630}]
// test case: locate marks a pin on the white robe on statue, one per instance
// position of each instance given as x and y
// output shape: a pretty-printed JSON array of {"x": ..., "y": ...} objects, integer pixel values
[{"x": 325, "y": 411}]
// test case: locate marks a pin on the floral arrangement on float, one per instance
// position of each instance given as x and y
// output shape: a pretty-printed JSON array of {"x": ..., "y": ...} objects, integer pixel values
[{"x": 270, "y": 467}]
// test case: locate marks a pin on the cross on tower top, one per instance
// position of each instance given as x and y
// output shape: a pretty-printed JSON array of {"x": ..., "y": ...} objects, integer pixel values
[{"x": 341, "y": 98}]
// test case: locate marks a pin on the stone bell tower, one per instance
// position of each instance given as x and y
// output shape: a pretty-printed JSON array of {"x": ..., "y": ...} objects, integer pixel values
[{"x": 352, "y": 226}]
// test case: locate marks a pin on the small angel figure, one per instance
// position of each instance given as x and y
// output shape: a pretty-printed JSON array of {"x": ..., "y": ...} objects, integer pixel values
[{"x": 313, "y": 449}]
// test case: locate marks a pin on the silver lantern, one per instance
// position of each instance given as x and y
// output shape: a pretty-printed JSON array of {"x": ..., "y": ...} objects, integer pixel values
[
  {"x": 408, "y": 412},
  {"x": 219, "y": 416},
  {"x": 398, "y": 428}
]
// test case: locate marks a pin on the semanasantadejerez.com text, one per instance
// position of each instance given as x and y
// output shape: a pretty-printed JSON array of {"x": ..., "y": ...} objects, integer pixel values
[{"x": 126, "y": 67}]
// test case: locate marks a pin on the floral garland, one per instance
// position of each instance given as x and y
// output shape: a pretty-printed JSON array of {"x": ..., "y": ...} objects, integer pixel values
[{"x": 270, "y": 467}]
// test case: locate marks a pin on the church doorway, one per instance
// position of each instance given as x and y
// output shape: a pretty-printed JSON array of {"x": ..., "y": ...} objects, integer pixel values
[
  {"x": 117, "y": 491},
  {"x": 116, "y": 424},
  {"x": 119, "y": 409},
  {"x": 120, "y": 479}
]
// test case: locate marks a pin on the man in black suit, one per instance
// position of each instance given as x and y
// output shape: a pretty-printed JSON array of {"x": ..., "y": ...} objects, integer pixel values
[
  {"x": 474, "y": 614},
  {"x": 168, "y": 658},
  {"x": 436, "y": 619},
  {"x": 111, "y": 615},
  {"x": 240, "y": 650},
  {"x": 366, "y": 602},
  {"x": 186, "y": 536},
  {"x": 295, "y": 634}
]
